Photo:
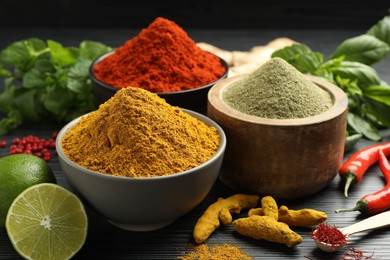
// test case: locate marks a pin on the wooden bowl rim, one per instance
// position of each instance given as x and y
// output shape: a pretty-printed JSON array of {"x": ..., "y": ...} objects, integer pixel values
[{"x": 339, "y": 98}]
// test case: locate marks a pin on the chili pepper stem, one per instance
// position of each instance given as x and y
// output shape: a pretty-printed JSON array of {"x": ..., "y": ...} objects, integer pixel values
[
  {"x": 347, "y": 210},
  {"x": 361, "y": 206},
  {"x": 349, "y": 179}
]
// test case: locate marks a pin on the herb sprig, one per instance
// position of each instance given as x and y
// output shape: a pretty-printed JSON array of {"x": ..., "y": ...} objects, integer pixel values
[
  {"x": 46, "y": 80},
  {"x": 349, "y": 67}
]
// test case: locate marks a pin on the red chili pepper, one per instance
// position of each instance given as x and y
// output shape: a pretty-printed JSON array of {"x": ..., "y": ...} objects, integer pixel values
[
  {"x": 355, "y": 167},
  {"x": 378, "y": 201}
]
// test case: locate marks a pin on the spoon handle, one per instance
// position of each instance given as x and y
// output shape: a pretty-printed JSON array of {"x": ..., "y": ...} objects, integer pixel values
[{"x": 376, "y": 221}]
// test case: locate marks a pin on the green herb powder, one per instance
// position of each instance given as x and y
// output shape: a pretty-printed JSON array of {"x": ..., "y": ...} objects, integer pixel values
[{"x": 278, "y": 91}]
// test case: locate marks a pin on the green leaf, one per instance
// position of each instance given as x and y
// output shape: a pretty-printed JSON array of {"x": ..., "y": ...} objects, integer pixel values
[
  {"x": 80, "y": 69},
  {"x": 76, "y": 85},
  {"x": 360, "y": 125},
  {"x": 4, "y": 72},
  {"x": 34, "y": 78},
  {"x": 365, "y": 75},
  {"x": 308, "y": 63},
  {"x": 62, "y": 56},
  {"x": 365, "y": 48},
  {"x": 15, "y": 54},
  {"x": 7, "y": 98},
  {"x": 22, "y": 52},
  {"x": 381, "y": 30},
  {"x": 351, "y": 141},
  {"x": 378, "y": 93},
  {"x": 25, "y": 101},
  {"x": 348, "y": 85},
  {"x": 43, "y": 64},
  {"x": 380, "y": 110},
  {"x": 290, "y": 53},
  {"x": 58, "y": 102},
  {"x": 92, "y": 50},
  {"x": 12, "y": 121},
  {"x": 301, "y": 57}
]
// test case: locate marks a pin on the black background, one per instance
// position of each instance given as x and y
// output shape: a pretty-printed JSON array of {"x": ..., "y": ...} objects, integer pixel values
[{"x": 242, "y": 14}]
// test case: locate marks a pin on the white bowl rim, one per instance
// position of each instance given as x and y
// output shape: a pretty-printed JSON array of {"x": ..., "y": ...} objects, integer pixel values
[{"x": 203, "y": 118}]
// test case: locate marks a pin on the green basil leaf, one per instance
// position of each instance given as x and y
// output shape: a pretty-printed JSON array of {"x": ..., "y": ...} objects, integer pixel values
[
  {"x": 381, "y": 30},
  {"x": 378, "y": 93},
  {"x": 380, "y": 110},
  {"x": 351, "y": 141},
  {"x": 290, "y": 53},
  {"x": 360, "y": 125},
  {"x": 308, "y": 63},
  {"x": 365, "y": 75},
  {"x": 62, "y": 56},
  {"x": 91, "y": 49},
  {"x": 348, "y": 85},
  {"x": 365, "y": 48}
]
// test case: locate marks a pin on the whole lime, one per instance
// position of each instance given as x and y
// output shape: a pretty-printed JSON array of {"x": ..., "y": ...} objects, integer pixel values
[{"x": 17, "y": 173}]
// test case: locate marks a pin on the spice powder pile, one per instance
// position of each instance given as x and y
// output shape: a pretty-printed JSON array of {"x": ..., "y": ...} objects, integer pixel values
[
  {"x": 216, "y": 252},
  {"x": 137, "y": 134},
  {"x": 161, "y": 58},
  {"x": 278, "y": 91}
]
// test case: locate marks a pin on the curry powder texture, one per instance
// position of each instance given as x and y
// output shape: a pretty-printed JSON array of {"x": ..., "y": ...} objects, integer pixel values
[
  {"x": 137, "y": 134},
  {"x": 216, "y": 252}
]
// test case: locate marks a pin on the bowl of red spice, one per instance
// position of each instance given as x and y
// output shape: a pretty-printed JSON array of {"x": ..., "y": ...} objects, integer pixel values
[
  {"x": 162, "y": 59},
  {"x": 140, "y": 162}
]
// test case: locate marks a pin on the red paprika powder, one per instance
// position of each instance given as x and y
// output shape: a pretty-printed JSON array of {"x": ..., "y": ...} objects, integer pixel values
[{"x": 161, "y": 58}]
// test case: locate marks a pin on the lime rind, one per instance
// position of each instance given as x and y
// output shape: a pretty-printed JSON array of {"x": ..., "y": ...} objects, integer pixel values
[{"x": 46, "y": 221}]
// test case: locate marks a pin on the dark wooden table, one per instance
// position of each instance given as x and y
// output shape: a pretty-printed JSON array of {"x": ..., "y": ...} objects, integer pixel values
[{"x": 108, "y": 242}]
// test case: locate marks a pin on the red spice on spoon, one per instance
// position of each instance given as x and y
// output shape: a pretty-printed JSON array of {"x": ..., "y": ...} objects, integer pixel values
[{"x": 329, "y": 234}]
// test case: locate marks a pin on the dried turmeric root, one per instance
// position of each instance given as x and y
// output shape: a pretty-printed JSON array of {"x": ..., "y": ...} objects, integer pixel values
[
  {"x": 269, "y": 207},
  {"x": 301, "y": 217},
  {"x": 221, "y": 211},
  {"x": 267, "y": 228},
  {"x": 294, "y": 218}
]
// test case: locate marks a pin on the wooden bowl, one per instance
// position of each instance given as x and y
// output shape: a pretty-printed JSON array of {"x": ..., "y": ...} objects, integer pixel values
[{"x": 284, "y": 158}]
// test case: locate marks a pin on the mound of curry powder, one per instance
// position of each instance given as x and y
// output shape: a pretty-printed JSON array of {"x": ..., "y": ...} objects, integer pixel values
[{"x": 137, "y": 134}]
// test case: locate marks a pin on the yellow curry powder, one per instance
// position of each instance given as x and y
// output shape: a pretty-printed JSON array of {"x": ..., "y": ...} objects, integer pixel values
[
  {"x": 137, "y": 134},
  {"x": 216, "y": 252}
]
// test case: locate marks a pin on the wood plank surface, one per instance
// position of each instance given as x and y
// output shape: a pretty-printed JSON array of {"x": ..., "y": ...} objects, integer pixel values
[{"x": 108, "y": 242}]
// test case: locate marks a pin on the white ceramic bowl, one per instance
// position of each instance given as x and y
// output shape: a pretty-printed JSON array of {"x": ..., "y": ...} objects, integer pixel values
[{"x": 143, "y": 204}]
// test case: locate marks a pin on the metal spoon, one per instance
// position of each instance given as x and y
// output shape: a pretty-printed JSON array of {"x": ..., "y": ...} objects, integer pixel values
[{"x": 377, "y": 221}]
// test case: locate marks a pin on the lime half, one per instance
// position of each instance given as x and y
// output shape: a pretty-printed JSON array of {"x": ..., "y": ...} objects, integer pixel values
[{"x": 46, "y": 221}]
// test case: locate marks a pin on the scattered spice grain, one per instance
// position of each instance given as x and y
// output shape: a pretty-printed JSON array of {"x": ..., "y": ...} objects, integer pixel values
[
  {"x": 216, "y": 252},
  {"x": 356, "y": 254},
  {"x": 278, "y": 91},
  {"x": 161, "y": 58},
  {"x": 138, "y": 134},
  {"x": 32, "y": 144}
]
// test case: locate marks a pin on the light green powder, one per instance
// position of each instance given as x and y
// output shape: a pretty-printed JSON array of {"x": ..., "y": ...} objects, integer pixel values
[{"x": 279, "y": 91}]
